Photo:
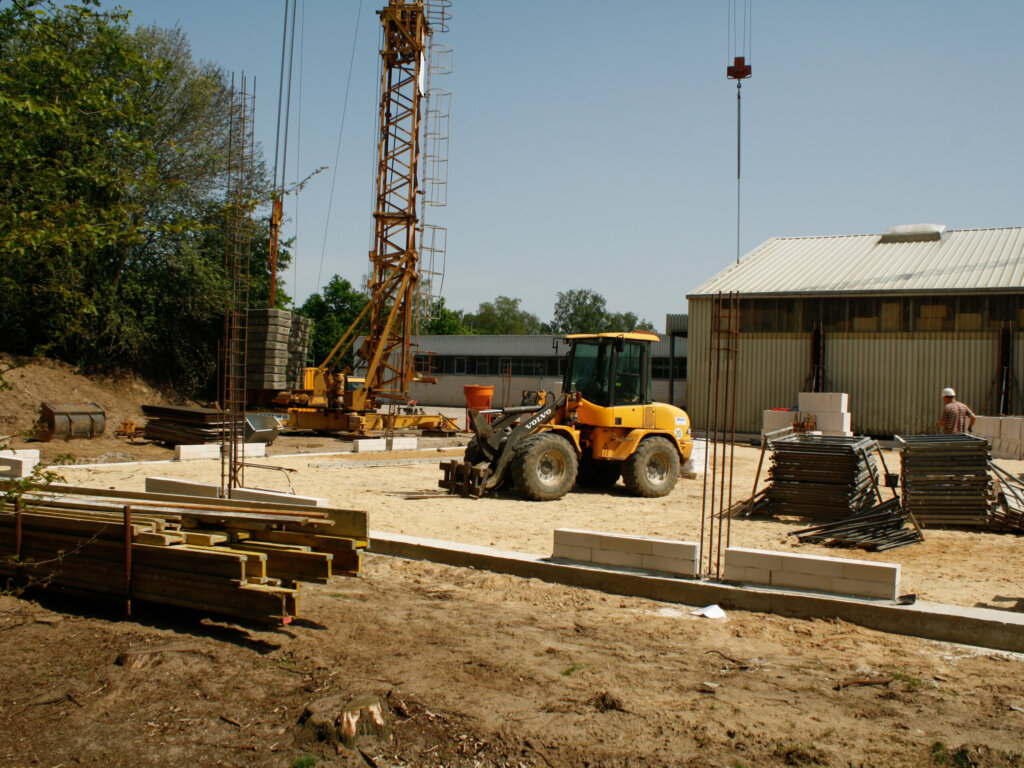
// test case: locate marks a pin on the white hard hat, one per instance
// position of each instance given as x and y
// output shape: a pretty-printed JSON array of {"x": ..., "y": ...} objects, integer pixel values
[{"x": 948, "y": 392}]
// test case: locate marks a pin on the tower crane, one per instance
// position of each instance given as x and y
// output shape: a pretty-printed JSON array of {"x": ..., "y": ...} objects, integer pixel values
[{"x": 337, "y": 400}]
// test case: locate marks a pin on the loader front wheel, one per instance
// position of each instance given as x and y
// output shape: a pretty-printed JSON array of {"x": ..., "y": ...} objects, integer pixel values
[
  {"x": 544, "y": 467},
  {"x": 653, "y": 469}
]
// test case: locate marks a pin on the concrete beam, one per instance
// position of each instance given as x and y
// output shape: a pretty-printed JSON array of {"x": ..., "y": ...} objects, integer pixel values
[{"x": 985, "y": 627}]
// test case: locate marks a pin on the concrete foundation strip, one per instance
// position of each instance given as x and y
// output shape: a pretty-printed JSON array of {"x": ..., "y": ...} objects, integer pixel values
[{"x": 985, "y": 627}]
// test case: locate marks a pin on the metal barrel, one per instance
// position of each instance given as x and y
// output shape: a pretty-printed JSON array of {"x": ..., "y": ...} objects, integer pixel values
[{"x": 67, "y": 421}]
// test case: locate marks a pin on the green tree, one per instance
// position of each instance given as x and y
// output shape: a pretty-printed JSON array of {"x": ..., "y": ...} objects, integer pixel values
[
  {"x": 112, "y": 163},
  {"x": 503, "y": 316},
  {"x": 332, "y": 311},
  {"x": 444, "y": 322},
  {"x": 585, "y": 311}
]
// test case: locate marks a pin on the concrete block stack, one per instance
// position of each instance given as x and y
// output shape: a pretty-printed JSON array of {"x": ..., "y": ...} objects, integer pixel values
[
  {"x": 678, "y": 558},
  {"x": 276, "y": 344},
  {"x": 859, "y": 578},
  {"x": 829, "y": 411},
  {"x": 1005, "y": 435},
  {"x": 18, "y": 464}
]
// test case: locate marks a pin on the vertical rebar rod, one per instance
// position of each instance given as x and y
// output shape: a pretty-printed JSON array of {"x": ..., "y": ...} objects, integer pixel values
[
  {"x": 127, "y": 560},
  {"x": 727, "y": 350},
  {"x": 17, "y": 529},
  {"x": 707, "y": 432},
  {"x": 735, "y": 386},
  {"x": 714, "y": 459}
]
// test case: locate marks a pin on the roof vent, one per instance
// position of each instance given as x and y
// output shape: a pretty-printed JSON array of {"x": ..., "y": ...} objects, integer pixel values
[{"x": 914, "y": 233}]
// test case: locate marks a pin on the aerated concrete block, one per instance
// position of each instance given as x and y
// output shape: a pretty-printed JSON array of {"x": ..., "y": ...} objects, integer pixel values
[
  {"x": 404, "y": 443},
  {"x": 745, "y": 575},
  {"x": 261, "y": 494},
  {"x": 674, "y": 565},
  {"x": 816, "y": 402},
  {"x": 773, "y": 420},
  {"x": 182, "y": 487},
  {"x": 16, "y": 466},
  {"x": 203, "y": 451},
  {"x": 636, "y": 545},
  {"x": 680, "y": 550},
  {"x": 370, "y": 445},
  {"x": 615, "y": 557},
  {"x": 802, "y": 581},
  {"x": 860, "y": 588},
  {"x": 1009, "y": 428},
  {"x": 832, "y": 421},
  {"x": 569, "y": 552},
  {"x": 987, "y": 427},
  {"x": 741, "y": 557},
  {"x": 22, "y": 453},
  {"x": 254, "y": 450},
  {"x": 574, "y": 537}
]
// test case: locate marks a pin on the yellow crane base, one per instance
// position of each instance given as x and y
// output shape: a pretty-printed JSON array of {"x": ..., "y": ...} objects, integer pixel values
[{"x": 319, "y": 420}]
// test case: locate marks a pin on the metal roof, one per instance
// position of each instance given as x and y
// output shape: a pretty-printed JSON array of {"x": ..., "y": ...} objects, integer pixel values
[
  {"x": 963, "y": 260},
  {"x": 539, "y": 345}
]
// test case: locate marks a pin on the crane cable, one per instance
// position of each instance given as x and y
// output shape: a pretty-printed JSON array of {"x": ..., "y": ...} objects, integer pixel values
[
  {"x": 738, "y": 49},
  {"x": 337, "y": 152},
  {"x": 298, "y": 144}
]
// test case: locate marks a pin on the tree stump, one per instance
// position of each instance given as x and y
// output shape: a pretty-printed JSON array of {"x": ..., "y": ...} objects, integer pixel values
[{"x": 343, "y": 720}]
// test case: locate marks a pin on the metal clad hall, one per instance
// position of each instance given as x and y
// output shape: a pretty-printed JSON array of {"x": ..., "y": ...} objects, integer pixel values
[{"x": 890, "y": 319}]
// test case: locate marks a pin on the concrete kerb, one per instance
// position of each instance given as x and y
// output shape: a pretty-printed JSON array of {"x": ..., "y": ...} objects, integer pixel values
[{"x": 984, "y": 627}]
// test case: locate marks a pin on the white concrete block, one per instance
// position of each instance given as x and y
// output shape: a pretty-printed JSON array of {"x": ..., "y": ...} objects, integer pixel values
[
  {"x": 637, "y": 545},
  {"x": 203, "y": 451},
  {"x": 747, "y": 575},
  {"x": 681, "y": 550},
  {"x": 569, "y": 552},
  {"x": 182, "y": 487},
  {"x": 673, "y": 565},
  {"x": 404, "y": 444},
  {"x": 695, "y": 464},
  {"x": 742, "y": 557},
  {"x": 832, "y": 421},
  {"x": 1010, "y": 428},
  {"x": 16, "y": 466},
  {"x": 22, "y": 453},
  {"x": 262, "y": 494},
  {"x": 802, "y": 581},
  {"x": 369, "y": 445},
  {"x": 865, "y": 588},
  {"x": 886, "y": 573},
  {"x": 987, "y": 427},
  {"x": 574, "y": 537},
  {"x": 773, "y": 420},
  {"x": 1004, "y": 449},
  {"x": 254, "y": 450},
  {"x": 816, "y": 402},
  {"x": 616, "y": 557}
]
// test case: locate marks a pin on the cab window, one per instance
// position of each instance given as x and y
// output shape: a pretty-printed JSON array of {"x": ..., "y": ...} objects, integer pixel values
[
  {"x": 588, "y": 371},
  {"x": 629, "y": 374}
]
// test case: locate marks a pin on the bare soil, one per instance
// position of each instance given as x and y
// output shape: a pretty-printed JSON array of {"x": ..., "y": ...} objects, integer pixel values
[{"x": 481, "y": 669}]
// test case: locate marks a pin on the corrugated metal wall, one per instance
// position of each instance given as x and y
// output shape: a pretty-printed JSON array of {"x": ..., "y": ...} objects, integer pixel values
[
  {"x": 448, "y": 390},
  {"x": 894, "y": 379}
]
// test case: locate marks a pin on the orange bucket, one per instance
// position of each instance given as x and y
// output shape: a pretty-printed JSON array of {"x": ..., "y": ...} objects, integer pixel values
[{"x": 478, "y": 397}]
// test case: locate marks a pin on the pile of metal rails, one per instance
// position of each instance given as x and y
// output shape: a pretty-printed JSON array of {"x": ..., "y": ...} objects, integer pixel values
[
  {"x": 1007, "y": 514},
  {"x": 876, "y": 529},
  {"x": 946, "y": 479},
  {"x": 183, "y": 425},
  {"x": 821, "y": 477},
  {"x": 218, "y": 556}
]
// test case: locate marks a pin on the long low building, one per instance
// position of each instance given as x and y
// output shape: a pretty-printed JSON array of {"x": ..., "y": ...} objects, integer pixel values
[
  {"x": 890, "y": 319},
  {"x": 512, "y": 364}
]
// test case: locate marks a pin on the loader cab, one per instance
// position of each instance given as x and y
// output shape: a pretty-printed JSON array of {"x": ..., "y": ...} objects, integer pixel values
[{"x": 610, "y": 369}]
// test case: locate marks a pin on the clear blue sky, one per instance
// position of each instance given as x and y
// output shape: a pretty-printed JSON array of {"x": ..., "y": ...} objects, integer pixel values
[{"x": 593, "y": 143}]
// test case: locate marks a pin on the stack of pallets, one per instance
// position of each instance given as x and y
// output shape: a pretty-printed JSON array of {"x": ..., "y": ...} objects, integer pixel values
[
  {"x": 242, "y": 559},
  {"x": 945, "y": 479},
  {"x": 821, "y": 477}
]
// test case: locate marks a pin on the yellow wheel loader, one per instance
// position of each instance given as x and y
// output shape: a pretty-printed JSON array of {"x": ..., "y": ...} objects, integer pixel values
[{"x": 604, "y": 425}]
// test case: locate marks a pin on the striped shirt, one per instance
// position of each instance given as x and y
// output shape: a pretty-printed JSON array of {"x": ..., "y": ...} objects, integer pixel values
[{"x": 956, "y": 417}]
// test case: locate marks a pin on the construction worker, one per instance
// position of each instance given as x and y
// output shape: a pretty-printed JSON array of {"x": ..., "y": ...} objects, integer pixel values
[{"x": 957, "y": 418}]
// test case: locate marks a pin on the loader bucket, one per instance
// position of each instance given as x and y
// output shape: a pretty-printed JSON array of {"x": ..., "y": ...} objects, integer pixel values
[{"x": 67, "y": 421}]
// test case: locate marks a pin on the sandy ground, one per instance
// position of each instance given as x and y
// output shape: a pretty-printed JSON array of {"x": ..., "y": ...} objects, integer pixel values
[{"x": 959, "y": 567}]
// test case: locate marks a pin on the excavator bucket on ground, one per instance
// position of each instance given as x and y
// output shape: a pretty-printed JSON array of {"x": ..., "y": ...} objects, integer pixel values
[{"x": 68, "y": 421}]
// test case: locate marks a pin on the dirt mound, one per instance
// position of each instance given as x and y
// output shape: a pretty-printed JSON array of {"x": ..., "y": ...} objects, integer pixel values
[{"x": 120, "y": 395}]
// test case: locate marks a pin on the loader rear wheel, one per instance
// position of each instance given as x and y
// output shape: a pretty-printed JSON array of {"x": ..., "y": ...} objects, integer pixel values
[
  {"x": 653, "y": 468},
  {"x": 598, "y": 473},
  {"x": 544, "y": 467}
]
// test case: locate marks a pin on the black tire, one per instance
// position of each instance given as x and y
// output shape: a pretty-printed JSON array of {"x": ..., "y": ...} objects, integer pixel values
[
  {"x": 653, "y": 469},
  {"x": 544, "y": 467},
  {"x": 474, "y": 454},
  {"x": 598, "y": 473}
]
